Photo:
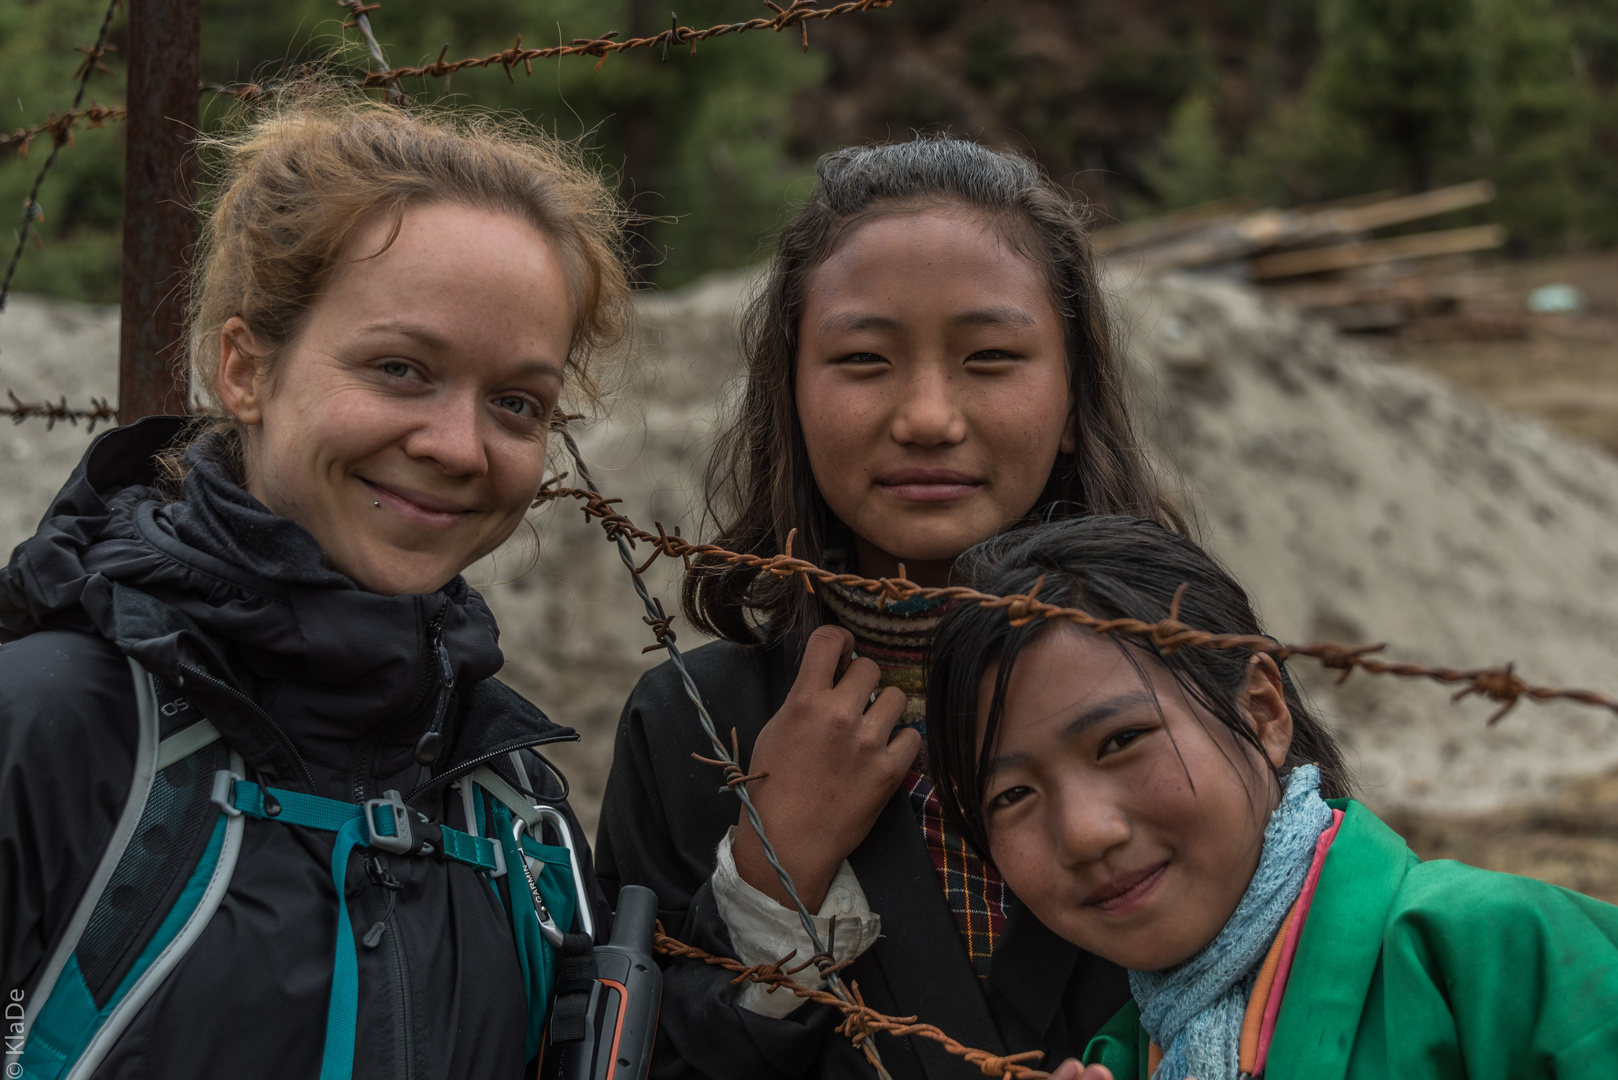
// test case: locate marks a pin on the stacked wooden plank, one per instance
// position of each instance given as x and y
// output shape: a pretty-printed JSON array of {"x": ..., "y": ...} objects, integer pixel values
[{"x": 1327, "y": 259}]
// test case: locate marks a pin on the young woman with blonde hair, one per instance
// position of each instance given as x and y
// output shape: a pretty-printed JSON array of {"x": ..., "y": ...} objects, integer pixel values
[{"x": 387, "y": 310}]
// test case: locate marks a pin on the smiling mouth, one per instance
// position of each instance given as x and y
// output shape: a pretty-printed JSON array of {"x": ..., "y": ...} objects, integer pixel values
[
  {"x": 929, "y": 485},
  {"x": 417, "y": 508},
  {"x": 1126, "y": 891}
]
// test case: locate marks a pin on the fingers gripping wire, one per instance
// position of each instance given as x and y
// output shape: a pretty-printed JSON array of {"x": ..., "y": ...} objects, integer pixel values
[{"x": 737, "y": 781}]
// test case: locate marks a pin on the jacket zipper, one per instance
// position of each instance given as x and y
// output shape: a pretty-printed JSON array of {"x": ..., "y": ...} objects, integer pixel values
[
  {"x": 259, "y": 711},
  {"x": 461, "y": 770},
  {"x": 444, "y": 682},
  {"x": 389, "y": 927}
]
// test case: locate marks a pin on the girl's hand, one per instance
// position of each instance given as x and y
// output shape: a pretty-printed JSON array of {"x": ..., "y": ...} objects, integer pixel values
[
  {"x": 1072, "y": 1070},
  {"x": 834, "y": 761}
]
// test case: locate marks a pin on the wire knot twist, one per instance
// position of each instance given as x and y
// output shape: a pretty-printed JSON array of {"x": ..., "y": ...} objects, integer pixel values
[
  {"x": 735, "y": 775},
  {"x": 1496, "y": 684}
]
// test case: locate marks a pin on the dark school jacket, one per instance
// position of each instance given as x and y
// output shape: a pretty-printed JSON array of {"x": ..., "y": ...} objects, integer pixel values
[
  {"x": 1435, "y": 970},
  {"x": 662, "y": 819},
  {"x": 321, "y": 687}
]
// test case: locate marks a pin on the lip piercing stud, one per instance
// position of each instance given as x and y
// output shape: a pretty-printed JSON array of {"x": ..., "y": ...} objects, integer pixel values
[{"x": 377, "y": 505}]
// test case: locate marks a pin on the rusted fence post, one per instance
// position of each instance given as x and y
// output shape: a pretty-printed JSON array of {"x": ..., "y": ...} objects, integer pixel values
[{"x": 159, "y": 185}]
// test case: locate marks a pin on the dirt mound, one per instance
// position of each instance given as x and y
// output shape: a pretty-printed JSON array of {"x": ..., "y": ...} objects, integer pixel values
[{"x": 1359, "y": 501}]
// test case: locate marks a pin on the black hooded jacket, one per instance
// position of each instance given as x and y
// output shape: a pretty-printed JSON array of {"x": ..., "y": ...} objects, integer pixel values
[{"x": 321, "y": 687}]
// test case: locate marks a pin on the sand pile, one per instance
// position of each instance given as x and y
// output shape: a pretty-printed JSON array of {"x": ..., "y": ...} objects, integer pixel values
[{"x": 1359, "y": 501}]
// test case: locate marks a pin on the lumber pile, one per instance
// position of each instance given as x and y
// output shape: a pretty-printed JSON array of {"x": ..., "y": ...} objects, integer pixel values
[{"x": 1328, "y": 261}]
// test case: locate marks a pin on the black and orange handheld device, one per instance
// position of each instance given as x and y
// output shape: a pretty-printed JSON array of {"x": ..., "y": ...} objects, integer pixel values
[{"x": 620, "y": 1015}]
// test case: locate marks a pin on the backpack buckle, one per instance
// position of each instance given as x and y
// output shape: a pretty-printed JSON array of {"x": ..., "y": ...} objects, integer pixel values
[
  {"x": 396, "y": 815},
  {"x": 224, "y": 791}
]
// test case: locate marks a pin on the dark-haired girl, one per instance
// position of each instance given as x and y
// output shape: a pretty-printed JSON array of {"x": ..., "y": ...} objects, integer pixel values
[
  {"x": 930, "y": 362},
  {"x": 1186, "y": 816}
]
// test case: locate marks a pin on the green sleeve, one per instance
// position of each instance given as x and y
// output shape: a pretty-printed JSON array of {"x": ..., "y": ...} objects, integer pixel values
[
  {"x": 1497, "y": 977},
  {"x": 1121, "y": 1045}
]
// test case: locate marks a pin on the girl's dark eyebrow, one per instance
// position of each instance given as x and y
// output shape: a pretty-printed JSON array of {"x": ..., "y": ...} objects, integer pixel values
[
  {"x": 858, "y": 320},
  {"x": 994, "y": 316},
  {"x": 1093, "y": 714}
]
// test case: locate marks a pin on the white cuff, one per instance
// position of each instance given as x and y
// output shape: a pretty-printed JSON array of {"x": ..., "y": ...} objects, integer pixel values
[{"x": 763, "y": 931}]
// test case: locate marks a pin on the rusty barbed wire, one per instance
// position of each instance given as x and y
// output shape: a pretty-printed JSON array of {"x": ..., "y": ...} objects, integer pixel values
[
  {"x": 100, "y": 411},
  {"x": 796, "y": 14},
  {"x": 622, "y": 532},
  {"x": 31, "y": 212},
  {"x": 860, "y": 1020},
  {"x": 359, "y": 16},
  {"x": 60, "y": 126},
  {"x": 1501, "y": 684}
]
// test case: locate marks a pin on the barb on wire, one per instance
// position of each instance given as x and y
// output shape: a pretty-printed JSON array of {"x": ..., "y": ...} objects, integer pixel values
[
  {"x": 30, "y": 206},
  {"x": 359, "y": 15},
  {"x": 100, "y": 411},
  {"x": 733, "y": 776},
  {"x": 796, "y": 14},
  {"x": 860, "y": 1020},
  {"x": 60, "y": 126},
  {"x": 1500, "y": 685},
  {"x": 623, "y": 532}
]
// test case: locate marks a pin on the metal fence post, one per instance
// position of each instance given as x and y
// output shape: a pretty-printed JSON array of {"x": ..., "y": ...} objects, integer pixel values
[{"x": 159, "y": 186}]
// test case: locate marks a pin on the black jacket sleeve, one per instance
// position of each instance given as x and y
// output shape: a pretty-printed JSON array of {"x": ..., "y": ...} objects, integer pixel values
[
  {"x": 68, "y": 736},
  {"x": 662, "y": 819}
]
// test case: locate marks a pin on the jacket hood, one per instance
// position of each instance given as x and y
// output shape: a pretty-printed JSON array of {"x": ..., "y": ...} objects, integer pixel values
[{"x": 306, "y": 674}]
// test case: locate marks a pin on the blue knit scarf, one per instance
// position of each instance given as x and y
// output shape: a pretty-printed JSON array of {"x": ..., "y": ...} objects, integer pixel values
[{"x": 1194, "y": 1011}]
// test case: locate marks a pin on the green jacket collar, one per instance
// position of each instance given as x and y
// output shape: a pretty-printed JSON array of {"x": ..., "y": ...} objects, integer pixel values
[{"x": 1342, "y": 941}]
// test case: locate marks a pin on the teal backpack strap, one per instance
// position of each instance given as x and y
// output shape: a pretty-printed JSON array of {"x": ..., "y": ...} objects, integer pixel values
[
  {"x": 114, "y": 957},
  {"x": 140, "y": 786},
  {"x": 386, "y": 824},
  {"x": 556, "y": 964},
  {"x": 533, "y": 816}
]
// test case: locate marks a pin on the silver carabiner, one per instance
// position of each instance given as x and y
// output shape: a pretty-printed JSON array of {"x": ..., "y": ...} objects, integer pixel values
[{"x": 547, "y": 923}]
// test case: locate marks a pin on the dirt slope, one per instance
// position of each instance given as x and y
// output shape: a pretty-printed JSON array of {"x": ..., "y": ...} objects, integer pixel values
[{"x": 1359, "y": 500}]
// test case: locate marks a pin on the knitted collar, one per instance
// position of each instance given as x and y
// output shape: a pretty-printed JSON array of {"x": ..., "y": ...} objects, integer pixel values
[
  {"x": 896, "y": 635},
  {"x": 1194, "y": 1011}
]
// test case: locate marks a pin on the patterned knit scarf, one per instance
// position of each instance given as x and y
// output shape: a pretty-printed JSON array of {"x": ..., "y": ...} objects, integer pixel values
[
  {"x": 897, "y": 638},
  {"x": 1194, "y": 1011}
]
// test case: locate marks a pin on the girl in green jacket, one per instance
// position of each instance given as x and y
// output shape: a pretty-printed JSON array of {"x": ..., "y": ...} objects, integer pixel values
[{"x": 1183, "y": 813}]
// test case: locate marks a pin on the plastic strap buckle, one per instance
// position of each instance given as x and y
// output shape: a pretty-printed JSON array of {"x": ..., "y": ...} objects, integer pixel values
[
  {"x": 399, "y": 841},
  {"x": 499, "y": 854},
  {"x": 224, "y": 791}
]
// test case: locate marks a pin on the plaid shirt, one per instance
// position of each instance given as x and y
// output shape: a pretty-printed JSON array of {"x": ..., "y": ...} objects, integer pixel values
[
  {"x": 896, "y": 636},
  {"x": 974, "y": 890}
]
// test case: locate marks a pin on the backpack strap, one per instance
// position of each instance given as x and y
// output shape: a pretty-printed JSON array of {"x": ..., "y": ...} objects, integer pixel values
[
  {"x": 185, "y": 742},
  {"x": 386, "y": 824},
  {"x": 115, "y": 956},
  {"x": 533, "y": 815},
  {"x": 140, "y": 786}
]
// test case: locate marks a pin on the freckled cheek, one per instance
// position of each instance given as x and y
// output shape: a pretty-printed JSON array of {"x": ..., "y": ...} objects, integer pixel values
[{"x": 1027, "y": 860}]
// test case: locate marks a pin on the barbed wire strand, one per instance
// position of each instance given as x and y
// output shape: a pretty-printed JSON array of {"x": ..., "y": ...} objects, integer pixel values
[
  {"x": 59, "y": 126},
  {"x": 797, "y": 14},
  {"x": 59, "y": 135},
  {"x": 1500, "y": 684},
  {"x": 101, "y": 411},
  {"x": 726, "y": 757},
  {"x": 861, "y": 1020},
  {"x": 359, "y": 12}
]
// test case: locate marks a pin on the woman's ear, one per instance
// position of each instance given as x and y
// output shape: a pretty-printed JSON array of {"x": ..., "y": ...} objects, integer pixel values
[
  {"x": 1070, "y": 433},
  {"x": 241, "y": 383},
  {"x": 1267, "y": 708}
]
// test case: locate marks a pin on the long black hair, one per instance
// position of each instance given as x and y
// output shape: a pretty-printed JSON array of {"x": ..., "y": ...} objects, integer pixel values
[
  {"x": 759, "y": 485},
  {"x": 1112, "y": 567}
]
